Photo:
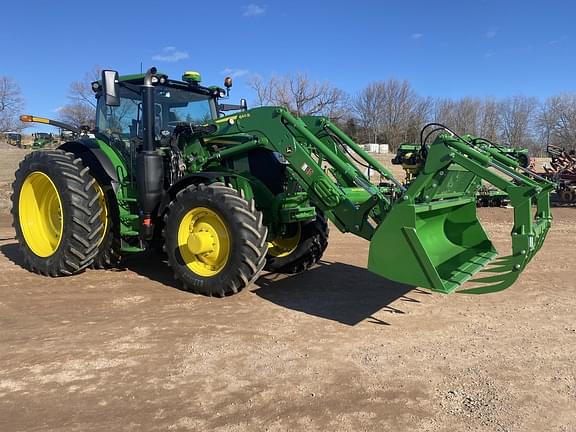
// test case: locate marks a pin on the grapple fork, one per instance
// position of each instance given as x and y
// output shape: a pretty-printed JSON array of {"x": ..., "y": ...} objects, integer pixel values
[{"x": 433, "y": 238}]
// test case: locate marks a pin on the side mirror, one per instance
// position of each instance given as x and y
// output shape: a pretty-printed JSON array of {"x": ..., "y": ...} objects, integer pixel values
[
  {"x": 243, "y": 105},
  {"x": 111, "y": 88}
]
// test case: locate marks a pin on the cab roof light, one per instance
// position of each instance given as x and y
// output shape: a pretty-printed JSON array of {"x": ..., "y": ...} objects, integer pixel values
[{"x": 192, "y": 77}]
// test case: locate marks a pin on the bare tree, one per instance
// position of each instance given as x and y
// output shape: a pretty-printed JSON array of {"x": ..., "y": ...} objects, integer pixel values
[
  {"x": 11, "y": 105},
  {"x": 368, "y": 107},
  {"x": 399, "y": 105},
  {"x": 421, "y": 114},
  {"x": 516, "y": 114},
  {"x": 391, "y": 111},
  {"x": 77, "y": 114},
  {"x": 489, "y": 125},
  {"x": 81, "y": 111},
  {"x": 556, "y": 121},
  {"x": 461, "y": 115},
  {"x": 299, "y": 94}
]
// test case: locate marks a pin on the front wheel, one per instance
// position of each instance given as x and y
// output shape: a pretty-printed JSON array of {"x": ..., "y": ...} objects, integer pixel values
[
  {"x": 301, "y": 248},
  {"x": 214, "y": 239}
]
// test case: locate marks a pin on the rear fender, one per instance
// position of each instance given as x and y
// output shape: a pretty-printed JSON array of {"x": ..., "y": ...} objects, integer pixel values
[{"x": 94, "y": 157}]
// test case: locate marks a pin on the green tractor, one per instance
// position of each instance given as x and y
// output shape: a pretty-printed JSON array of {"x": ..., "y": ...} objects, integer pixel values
[
  {"x": 41, "y": 140},
  {"x": 226, "y": 196}
]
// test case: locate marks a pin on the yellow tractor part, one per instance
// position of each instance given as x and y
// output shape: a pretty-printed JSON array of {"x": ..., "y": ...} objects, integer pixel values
[
  {"x": 104, "y": 214},
  {"x": 284, "y": 246},
  {"x": 204, "y": 241},
  {"x": 40, "y": 213}
]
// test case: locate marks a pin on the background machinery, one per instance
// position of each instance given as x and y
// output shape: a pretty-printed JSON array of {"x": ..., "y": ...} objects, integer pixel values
[
  {"x": 41, "y": 140},
  {"x": 412, "y": 161},
  {"x": 228, "y": 195},
  {"x": 562, "y": 172},
  {"x": 13, "y": 138}
]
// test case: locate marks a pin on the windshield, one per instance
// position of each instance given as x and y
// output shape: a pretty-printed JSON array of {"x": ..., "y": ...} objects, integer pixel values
[{"x": 173, "y": 105}]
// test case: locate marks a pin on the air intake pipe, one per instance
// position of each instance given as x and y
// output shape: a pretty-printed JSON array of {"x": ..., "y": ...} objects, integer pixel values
[{"x": 149, "y": 163}]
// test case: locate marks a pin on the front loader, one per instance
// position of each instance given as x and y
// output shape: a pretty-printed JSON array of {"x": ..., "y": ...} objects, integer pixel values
[{"x": 226, "y": 196}]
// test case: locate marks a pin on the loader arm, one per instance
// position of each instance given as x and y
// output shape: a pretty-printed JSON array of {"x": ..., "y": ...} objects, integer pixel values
[
  {"x": 333, "y": 183},
  {"x": 426, "y": 235}
]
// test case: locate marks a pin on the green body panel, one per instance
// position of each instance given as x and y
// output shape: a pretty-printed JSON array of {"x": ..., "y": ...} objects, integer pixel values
[{"x": 126, "y": 196}]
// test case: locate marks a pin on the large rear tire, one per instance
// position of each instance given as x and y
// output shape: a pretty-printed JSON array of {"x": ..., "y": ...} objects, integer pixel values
[
  {"x": 108, "y": 255},
  {"x": 56, "y": 213},
  {"x": 312, "y": 241},
  {"x": 214, "y": 239}
]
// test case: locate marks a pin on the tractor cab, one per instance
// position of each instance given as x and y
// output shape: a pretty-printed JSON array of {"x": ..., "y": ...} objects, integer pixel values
[
  {"x": 175, "y": 103},
  {"x": 42, "y": 139}
]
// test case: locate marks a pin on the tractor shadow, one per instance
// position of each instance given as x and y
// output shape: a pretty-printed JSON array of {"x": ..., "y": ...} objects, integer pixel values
[
  {"x": 11, "y": 253},
  {"x": 330, "y": 290},
  {"x": 153, "y": 266},
  {"x": 336, "y": 291}
]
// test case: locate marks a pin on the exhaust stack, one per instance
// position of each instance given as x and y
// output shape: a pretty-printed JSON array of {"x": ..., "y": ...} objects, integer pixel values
[{"x": 149, "y": 163}]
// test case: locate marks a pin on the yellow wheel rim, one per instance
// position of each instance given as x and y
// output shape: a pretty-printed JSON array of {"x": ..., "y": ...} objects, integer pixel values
[
  {"x": 104, "y": 214},
  {"x": 203, "y": 241},
  {"x": 40, "y": 214},
  {"x": 284, "y": 246}
]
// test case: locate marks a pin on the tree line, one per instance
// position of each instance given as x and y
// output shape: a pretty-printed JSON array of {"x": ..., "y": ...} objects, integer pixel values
[
  {"x": 386, "y": 112},
  {"x": 392, "y": 112}
]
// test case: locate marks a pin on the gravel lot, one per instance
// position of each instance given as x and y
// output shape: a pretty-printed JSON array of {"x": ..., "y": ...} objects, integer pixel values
[{"x": 334, "y": 349}]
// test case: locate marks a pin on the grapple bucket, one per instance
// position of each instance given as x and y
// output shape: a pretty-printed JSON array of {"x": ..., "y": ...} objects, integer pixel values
[
  {"x": 432, "y": 238},
  {"x": 437, "y": 247}
]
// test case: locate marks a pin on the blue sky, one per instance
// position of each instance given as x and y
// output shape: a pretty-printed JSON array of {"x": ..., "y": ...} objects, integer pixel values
[{"x": 444, "y": 48}]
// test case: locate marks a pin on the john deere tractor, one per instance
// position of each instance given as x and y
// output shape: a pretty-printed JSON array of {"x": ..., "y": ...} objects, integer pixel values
[
  {"x": 226, "y": 196},
  {"x": 41, "y": 140}
]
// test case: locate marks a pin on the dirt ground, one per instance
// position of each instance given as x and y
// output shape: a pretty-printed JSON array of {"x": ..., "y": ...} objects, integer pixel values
[{"x": 334, "y": 349}]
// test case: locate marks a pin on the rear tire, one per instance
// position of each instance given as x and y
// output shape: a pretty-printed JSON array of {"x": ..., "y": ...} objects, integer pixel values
[
  {"x": 108, "y": 255},
  {"x": 313, "y": 242},
  {"x": 56, "y": 213},
  {"x": 214, "y": 239}
]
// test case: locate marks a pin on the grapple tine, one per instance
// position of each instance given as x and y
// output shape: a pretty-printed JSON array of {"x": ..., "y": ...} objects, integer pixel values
[
  {"x": 501, "y": 277},
  {"x": 499, "y": 260},
  {"x": 500, "y": 269},
  {"x": 490, "y": 288}
]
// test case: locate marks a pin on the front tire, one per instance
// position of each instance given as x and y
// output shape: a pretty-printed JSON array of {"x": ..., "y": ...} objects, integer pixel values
[
  {"x": 312, "y": 241},
  {"x": 214, "y": 239},
  {"x": 56, "y": 213}
]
